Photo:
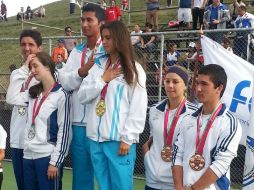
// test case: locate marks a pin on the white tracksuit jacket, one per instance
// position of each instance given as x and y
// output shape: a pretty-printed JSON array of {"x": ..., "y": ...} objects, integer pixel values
[
  {"x": 219, "y": 150},
  {"x": 69, "y": 78},
  {"x": 52, "y": 124},
  {"x": 18, "y": 119},
  {"x": 158, "y": 172},
  {"x": 126, "y": 105}
]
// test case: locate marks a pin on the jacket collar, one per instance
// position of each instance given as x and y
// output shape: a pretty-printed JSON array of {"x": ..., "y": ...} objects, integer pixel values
[
  {"x": 162, "y": 106},
  {"x": 195, "y": 114}
]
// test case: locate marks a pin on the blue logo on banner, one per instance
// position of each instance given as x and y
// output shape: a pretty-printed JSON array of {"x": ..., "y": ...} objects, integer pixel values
[{"x": 238, "y": 98}]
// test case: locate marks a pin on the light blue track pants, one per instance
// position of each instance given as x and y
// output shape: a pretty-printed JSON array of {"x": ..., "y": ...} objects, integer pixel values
[
  {"x": 83, "y": 175},
  {"x": 113, "y": 172}
]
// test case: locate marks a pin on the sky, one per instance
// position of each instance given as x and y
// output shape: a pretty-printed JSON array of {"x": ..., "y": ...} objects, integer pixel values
[{"x": 13, "y": 6}]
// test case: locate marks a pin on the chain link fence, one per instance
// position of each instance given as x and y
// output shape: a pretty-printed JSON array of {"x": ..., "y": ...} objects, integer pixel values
[{"x": 168, "y": 48}]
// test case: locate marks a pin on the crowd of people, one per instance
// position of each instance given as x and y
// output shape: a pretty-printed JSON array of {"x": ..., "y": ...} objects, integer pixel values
[
  {"x": 28, "y": 14},
  {"x": 91, "y": 98}
]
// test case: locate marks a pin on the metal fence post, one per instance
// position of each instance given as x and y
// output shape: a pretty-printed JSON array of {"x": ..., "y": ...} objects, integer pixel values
[
  {"x": 161, "y": 65},
  {"x": 50, "y": 46}
]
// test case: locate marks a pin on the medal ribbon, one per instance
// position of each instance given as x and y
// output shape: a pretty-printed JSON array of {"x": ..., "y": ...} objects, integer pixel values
[
  {"x": 105, "y": 88},
  {"x": 200, "y": 143},
  {"x": 168, "y": 134},
  {"x": 36, "y": 111},
  {"x": 27, "y": 83},
  {"x": 84, "y": 52}
]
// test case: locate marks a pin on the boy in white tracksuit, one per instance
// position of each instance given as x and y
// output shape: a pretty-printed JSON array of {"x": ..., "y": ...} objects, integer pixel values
[
  {"x": 70, "y": 77},
  {"x": 158, "y": 172},
  {"x": 30, "y": 43}
]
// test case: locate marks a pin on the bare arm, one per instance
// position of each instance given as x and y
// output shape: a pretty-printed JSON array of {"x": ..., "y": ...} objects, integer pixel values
[
  {"x": 208, "y": 178},
  {"x": 178, "y": 177},
  {"x": 2, "y": 154}
]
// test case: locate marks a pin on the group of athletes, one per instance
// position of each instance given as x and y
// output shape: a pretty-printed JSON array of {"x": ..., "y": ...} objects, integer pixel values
[{"x": 96, "y": 105}]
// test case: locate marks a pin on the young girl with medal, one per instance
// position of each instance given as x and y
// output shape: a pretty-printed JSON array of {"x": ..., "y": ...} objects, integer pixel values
[
  {"x": 47, "y": 133},
  {"x": 117, "y": 98},
  {"x": 164, "y": 119}
]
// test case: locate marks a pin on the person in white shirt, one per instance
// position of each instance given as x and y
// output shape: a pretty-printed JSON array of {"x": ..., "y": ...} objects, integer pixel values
[
  {"x": 47, "y": 133},
  {"x": 80, "y": 60},
  {"x": 208, "y": 139},
  {"x": 117, "y": 101},
  {"x": 30, "y": 43},
  {"x": 164, "y": 120},
  {"x": 135, "y": 39},
  {"x": 3, "y": 136}
]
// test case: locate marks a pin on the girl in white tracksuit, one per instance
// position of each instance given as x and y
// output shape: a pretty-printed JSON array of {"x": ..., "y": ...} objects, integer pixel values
[
  {"x": 163, "y": 121},
  {"x": 47, "y": 133},
  {"x": 117, "y": 109}
]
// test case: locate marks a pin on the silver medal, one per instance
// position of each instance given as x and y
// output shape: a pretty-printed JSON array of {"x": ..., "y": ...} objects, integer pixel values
[
  {"x": 21, "y": 110},
  {"x": 31, "y": 133}
]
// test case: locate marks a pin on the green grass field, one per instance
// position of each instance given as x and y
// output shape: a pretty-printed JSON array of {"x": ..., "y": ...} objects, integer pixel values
[{"x": 10, "y": 184}]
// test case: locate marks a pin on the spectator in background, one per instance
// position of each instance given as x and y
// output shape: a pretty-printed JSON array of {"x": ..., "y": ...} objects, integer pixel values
[
  {"x": 198, "y": 12},
  {"x": 152, "y": 12},
  {"x": 233, "y": 12},
  {"x": 60, "y": 62},
  {"x": 125, "y": 4},
  {"x": 113, "y": 12},
  {"x": 244, "y": 20},
  {"x": 60, "y": 49},
  {"x": 184, "y": 13},
  {"x": 28, "y": 13},
  {"x": 136, "y": 39},
  {"x": 190, "y": 57},
  {"x": 69, "y": 43},
  {"x": 147, "y": 42},
  {"x": 169, "y": 3},
  {"x": 172, "y": 54},
  {"x": 4, "y": 11},
  {"x": 215, "y": 17},
  {"x": 227, "y": 45},
  {"x": 21, "y": 14},
  {"x": 72, "y": 6},
  {"x": 40, "y": 12},
  {"x": 104, "y": 4},
  {"x": 3, "y": 136}
]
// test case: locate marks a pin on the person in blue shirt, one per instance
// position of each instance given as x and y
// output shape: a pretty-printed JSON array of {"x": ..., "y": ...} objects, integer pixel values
[{"x": 244, "y": 20}]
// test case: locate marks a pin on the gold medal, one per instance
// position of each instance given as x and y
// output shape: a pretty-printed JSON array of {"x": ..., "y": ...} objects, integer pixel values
[
  {"x": 100, "y": 107},
  {"x": 21, "y": 110},
  {"x": 166, "y": 153},
  {"x": 197, "y": 162}
]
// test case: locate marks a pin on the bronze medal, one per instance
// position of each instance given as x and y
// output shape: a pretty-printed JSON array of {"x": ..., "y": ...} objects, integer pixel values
[
  {"x": 21, "y": 110},
  {"x": 100, "y": 107},
  {"x": 197, "y": 162},
  {"x": 166, "y": 153}
]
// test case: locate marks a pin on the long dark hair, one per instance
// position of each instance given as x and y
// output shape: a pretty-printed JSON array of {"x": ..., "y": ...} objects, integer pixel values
[
  {"x": 122, "y": 43},
  {"x": 47, "y": 61}
]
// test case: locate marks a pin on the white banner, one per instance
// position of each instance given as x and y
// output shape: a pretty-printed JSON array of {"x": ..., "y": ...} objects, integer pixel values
[{"x": 237, "y": 97}]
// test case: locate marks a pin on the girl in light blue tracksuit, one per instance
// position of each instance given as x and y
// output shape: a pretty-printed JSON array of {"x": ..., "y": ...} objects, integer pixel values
[{"x": 117, "y": 103}]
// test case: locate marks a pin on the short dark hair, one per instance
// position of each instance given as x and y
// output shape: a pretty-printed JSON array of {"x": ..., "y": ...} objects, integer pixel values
[
  {"x": 149, "y": 25},
  {"x": 242, "y": 7},
  {"x": 99, "y": 11},
  {"x": 66, "y": 28},
  {"x": 36, "y": 35},
  {"x": 217, "y": 75}
]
